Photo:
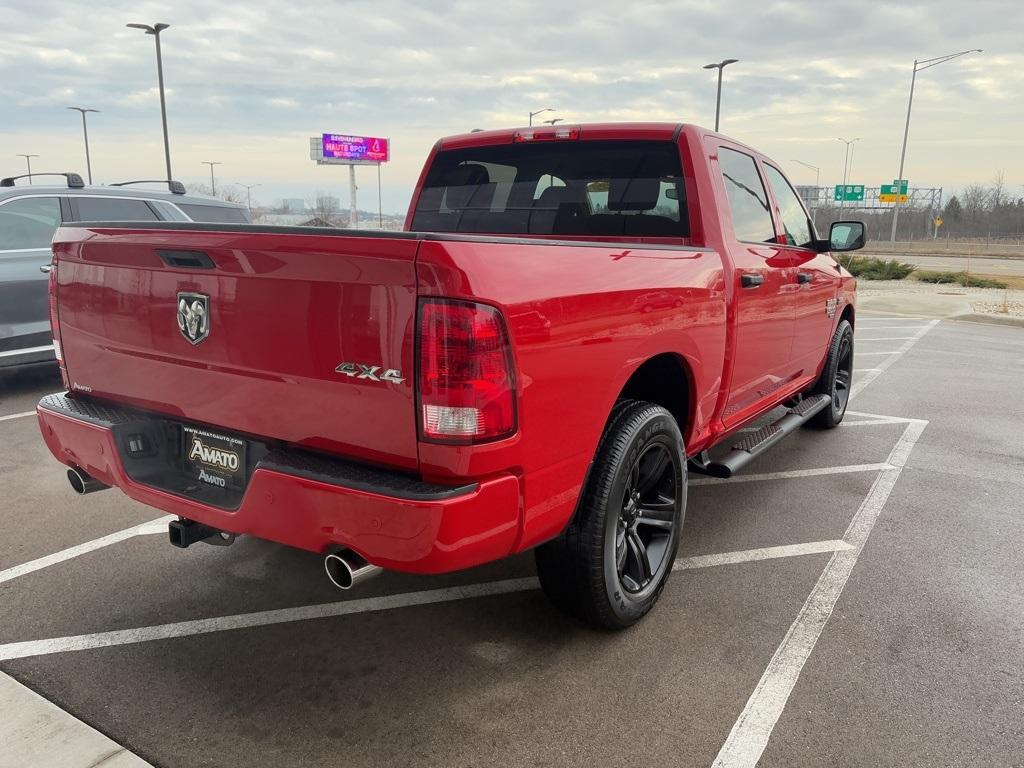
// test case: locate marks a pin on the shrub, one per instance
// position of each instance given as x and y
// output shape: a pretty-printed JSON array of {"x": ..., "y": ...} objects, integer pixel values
[
  {"x": 873, "y": 268},
  {"x": 959, "y": 278}
]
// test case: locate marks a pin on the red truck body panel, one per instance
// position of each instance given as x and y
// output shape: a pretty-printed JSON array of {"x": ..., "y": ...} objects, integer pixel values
[{"x": 289, "y": 306}]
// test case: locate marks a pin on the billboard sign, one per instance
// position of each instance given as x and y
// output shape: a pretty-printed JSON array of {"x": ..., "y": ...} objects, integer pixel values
[{"x": 355, "y": 149}]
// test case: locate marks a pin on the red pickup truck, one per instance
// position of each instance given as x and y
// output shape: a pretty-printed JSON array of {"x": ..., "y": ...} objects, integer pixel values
[{"x": 575, "y": 317}]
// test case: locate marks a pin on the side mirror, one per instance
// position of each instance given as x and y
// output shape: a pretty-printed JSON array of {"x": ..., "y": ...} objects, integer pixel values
[{"x": 846, "y": 236}]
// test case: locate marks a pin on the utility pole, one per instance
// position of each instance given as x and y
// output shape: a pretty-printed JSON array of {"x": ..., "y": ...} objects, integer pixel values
[
  {"x": 28, "y": 163},
  {"x": 718, "y": 99},
  {"x": 155, "y": 31},
  {"x": 918, "y": 66},
  {"x": 85, "y": 133},
  {"x": 213, "y": 182}
]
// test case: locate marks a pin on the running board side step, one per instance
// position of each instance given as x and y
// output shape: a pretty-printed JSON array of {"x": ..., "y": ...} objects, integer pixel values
[{"x": 754, "y": 444}]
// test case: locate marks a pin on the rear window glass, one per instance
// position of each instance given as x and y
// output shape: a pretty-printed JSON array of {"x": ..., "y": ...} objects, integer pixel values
[
  {"x": 217, "y": 214},
  {"x": 112, "y": 209},
  {"x": 598, "y": 188}
]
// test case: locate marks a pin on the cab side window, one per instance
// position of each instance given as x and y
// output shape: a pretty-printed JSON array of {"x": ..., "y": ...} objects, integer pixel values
[
  {"x": 794, "y": 218},
  {"x": 748, "y": 201},
  {"x": 28, "y": 222}
]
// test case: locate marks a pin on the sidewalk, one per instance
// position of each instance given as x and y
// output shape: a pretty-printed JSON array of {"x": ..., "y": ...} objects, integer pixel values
[
  {"x": 917, "y": 299},
  {"x": 36, "y": 733}
]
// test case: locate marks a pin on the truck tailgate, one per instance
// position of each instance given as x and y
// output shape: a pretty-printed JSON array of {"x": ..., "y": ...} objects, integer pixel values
[{"x": 284, "y": 312}]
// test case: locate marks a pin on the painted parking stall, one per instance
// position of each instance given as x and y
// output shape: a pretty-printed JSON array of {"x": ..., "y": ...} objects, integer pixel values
[{"x": 103, "y": 626}]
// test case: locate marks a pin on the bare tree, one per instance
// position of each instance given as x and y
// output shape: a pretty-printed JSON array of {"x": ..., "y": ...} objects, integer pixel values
[
  {"x": 325, "y": 210},
  {"x": 227, "y": 192}
]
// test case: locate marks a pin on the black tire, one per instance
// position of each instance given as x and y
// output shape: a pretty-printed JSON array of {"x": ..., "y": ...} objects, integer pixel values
[
  {"x": 610, "y": 565},
  {"x": 836, "y": 379}
]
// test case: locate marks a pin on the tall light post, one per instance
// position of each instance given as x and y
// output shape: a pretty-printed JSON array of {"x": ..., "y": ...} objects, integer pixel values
[
  {"x": 28, "y": 162},
  {"x": 248, "y": 194},
  {"x": 213, "y": 182},
  {"x": 155, "y": 31},
  {"x": 846, "y": 157},
  {"x": 85, "y": 132},
  {"x": 918, "y": 66},
  {"x": 718, "y": 99},
  {"x": 817, "y": 187},
  {"x": 540, "y": 112}
]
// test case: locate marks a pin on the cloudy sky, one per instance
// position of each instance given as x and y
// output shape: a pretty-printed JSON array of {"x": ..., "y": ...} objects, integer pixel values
[{"x": 249, "y": 82}]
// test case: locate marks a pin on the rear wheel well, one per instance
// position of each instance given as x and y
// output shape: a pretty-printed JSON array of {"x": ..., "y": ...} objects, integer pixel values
[{"x": 663, "y": 380}]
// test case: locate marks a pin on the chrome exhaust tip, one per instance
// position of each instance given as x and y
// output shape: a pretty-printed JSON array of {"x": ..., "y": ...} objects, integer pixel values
[
  {"x": 82, "y": 482},
  {"x": 346, "y": 569}
]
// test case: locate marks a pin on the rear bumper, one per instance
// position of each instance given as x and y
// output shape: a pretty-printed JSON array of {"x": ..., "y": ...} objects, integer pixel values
[{"x": 311, "y": 502}]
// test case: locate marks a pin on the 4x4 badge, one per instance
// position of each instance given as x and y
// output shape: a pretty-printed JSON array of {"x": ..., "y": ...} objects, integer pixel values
[
  {"x": 830, "y": 307},
  {"x": 194, "y": 316},
  {"x": 360, "y": 371}
]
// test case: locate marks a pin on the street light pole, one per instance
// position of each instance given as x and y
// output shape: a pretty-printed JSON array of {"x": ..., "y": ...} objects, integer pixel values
[
  {"x": 540, "y": 111},
  {"x": 155, "y": 31},
  {"x": 85, "y": 132},
  {"x": 918, "y": 66},
  {"x": 213, "y": 182},
  {"x": 846, "y": 166},
  {"x": 817, "y": 187},
  {"x": 248, "y": 193},
  {"x": 28, "y": 162},
  {"x": 718, "y": 99}
]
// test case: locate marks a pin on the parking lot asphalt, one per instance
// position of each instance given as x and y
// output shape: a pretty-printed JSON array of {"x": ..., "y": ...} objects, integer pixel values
[{"x": 855, "y": 597}]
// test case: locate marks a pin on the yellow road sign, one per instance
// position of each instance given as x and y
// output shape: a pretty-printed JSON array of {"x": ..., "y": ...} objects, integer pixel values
[{"x": 892, "y": 198}]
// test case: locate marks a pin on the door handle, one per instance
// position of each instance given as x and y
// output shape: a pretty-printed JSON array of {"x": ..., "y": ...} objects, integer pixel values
[
  {"x": 45, "y": 268},
  {"x": 804, "y": 277},
  {"x": 751, "y": 280}
]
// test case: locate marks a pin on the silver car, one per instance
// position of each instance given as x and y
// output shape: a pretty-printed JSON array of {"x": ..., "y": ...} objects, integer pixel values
[{"x": 30, "y": 214}]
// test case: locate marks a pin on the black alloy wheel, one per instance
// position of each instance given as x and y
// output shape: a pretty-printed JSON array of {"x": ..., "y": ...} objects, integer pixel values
[
  {"x": 609, "y": 566},
  {"x": 646, "y": 522}
]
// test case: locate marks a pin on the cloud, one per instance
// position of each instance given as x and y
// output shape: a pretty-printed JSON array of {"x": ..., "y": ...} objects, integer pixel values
[{"x": 267, "y": 74}]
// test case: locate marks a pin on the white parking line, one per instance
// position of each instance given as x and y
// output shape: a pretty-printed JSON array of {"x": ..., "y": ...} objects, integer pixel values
[
  {"x": 864, "y": 370},
  {"x": 913, "y": 327},
  {"x": 767, "y": 553},
  {"x": 886, "y": 338},
  {"x": 17, "y": 415},
  {"x": 347, "y": 607},
  {"x": 858, "y": 353},
  {"x": 790, "y": 474},
  {"x": 858, "y": 386},
  {"x": 749, "y": 735},
  {"x": 154, "y": 526}
]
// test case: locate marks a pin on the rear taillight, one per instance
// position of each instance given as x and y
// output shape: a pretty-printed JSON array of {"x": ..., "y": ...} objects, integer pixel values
[
  {"x": 55, "y": 322},
  {"x": 466, "y": 380}
]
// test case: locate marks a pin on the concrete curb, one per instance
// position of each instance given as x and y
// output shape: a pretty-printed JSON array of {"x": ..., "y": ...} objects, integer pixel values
[
  {"x": 36, "y": 732},
  {"x": 977, "y": 317},
  {"x": 944, "y": 254}
]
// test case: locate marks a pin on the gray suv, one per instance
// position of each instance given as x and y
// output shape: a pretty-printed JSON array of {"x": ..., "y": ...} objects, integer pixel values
[{"x": 30, "y": 214}]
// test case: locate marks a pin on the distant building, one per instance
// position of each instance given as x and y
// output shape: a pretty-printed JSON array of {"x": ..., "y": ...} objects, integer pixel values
[{"x": 294, "y": 204}]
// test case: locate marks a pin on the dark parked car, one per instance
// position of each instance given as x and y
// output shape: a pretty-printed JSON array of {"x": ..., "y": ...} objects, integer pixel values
[{"x": 30, "y": 214}]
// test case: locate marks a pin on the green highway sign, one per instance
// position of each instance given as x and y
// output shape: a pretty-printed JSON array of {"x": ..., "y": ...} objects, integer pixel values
[
  {"x": 896, "y": 188},
  {"x": 849, "y": 192}
]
